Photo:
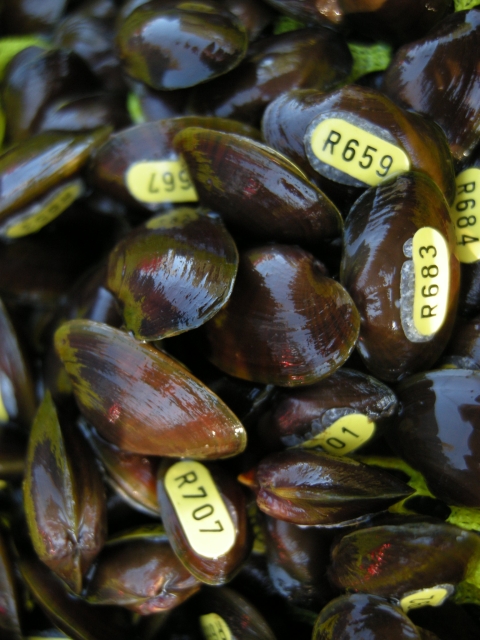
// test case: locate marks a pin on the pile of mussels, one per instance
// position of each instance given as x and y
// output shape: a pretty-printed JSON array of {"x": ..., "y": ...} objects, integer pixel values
[{"x": 239, "y": 330}]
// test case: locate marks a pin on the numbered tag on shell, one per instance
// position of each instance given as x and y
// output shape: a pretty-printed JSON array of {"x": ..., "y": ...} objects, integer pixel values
[
  {"x": 431, "y": 597},
  {"x": 353, "y": 151},
  {"x": 465, "y": 213},
  {"x": 344, "y": 435},
  {"x": 424, "y": 285},
  {"x": 200, "y": 509},
  {"x": 157, "y": 181}
]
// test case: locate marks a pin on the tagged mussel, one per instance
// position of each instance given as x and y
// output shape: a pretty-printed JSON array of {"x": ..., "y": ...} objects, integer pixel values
[
  {"x": 340, "y": 413},
  {"x": 173, "y": 273},
  {"x": 286, "y": 323},
  {"x": 403, "y": 561},
  {"x": 400, "y": 268},
  {"x": 205, "y": 517},
  {"x": 120, "y": 384}
]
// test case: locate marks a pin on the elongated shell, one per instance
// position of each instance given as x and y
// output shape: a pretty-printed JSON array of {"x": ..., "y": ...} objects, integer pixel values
[{"x": 142, "y": 400}]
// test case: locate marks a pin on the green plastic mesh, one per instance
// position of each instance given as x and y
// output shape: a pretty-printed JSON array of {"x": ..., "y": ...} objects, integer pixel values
[
  {"x": 461, "y": 5},
  {"x": 368, "y": 58},
  {"x": 134, "y": 109}
]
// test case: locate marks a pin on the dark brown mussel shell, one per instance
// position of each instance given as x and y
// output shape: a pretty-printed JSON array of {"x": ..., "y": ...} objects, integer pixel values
[
  {"x": 43, "y": 210},
  {"x": 91, "y": 36},
  {"x": 140, "y": 166},
  {"x": 340, "y": 413},
  {"x": 255, "y": 16},
  {"x": 89, "y": 298},
  {"x": 120, "y": 384},
  {"x": 362, "y": 616},
  {"x": 400, "y": 268},
  {"x": 313, "y": 488},
  {"x": 36, "y": 78},
  {"x": 256, "y": 189},
  {"x": 297, "y": 560},
  {"x": 463, "y": 350},
  {"x": 286, "y": 323},
  {"x": 317, "y": 58},
  {"x": 179, "y": 44},
  {"x": 31, "y": 168},
  {"x": 86, "y": 112},
  {"x": 437, "y": 431},
  {"x": 398, "y": 560},
  {"x": 10, "y": 598},
  {"x": 392, "y": 20},
  {"x": 173, "y": 273},
  {"x": 205, "y": 516},
  {"x": 131, "y": 475},
  {"x": 20, "y": 17},
  {"x": 357, "y": 137},
  {"x": 17, "y": 393},
  {"x": 327, "y": 13},
  {"x": 64, "y": 497},
  {"x": 438, "y": 76},
  {"x": 224, "y": 613},
  {"x": 68, "y": 612},
  {"x": 140, "y": 571}
]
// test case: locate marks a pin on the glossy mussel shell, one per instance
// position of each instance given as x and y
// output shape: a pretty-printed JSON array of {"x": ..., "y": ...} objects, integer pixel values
[
  {"x": 131, "y": 165},
  {"x": 64, "y": 497},
  {"x": 140, "y": 399},
  {"x": 363, "y": 616},
  {"x": 310, "y": 57},
  {"x": 179, "y": 44},
  {"x": 437, "y": 431},
  {"x": 375, "y": 271},
  {"x": 308, "y": 487},
  {"x": 286, "y": 323},
  {"x": 289, "y": 121},
  {"x": 205, "y": 516},
  {"x": 393, "y": 560},
  {"x": 173, "y": 273},
  {"x": 140, "y": 571},
  {"x": 29, "y": 169},
  {"x": 256, "y": 189},
  {"x": 300, "y": 417},
  {"x": 438, "y": 76}
]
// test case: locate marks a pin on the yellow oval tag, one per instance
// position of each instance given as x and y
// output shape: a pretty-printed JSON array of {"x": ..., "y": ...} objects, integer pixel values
[
  {"x": 214, "y": 627},
  {"x": 359, "y": 152},
  {"x": 432, "y": 597},
  {"x": 200, "y": 509},
  {"x": 38, "y": 216},
  {"x": 465, "y": 213},
  {"x": 345, "y": 435},
  {"x": 431, "y": 260},
  {"x": 153, "y": 181}
]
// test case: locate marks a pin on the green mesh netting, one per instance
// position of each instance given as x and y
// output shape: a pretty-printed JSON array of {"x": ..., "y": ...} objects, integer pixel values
[
  {"x": 368, "y": 58},
  {"x": 283, "y": 24},
  {"x": 461, "y": 5},
  {"x": 134, "y": 109}
]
